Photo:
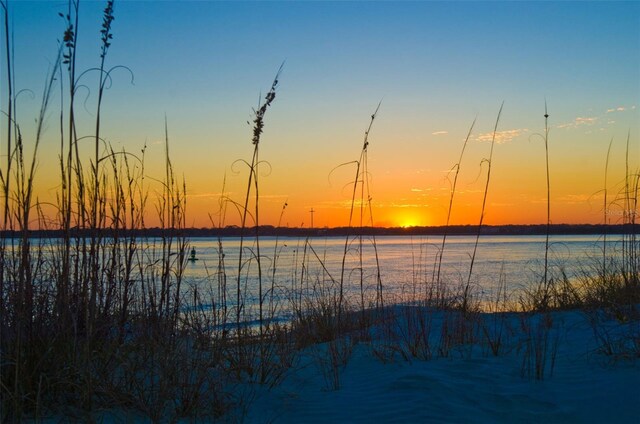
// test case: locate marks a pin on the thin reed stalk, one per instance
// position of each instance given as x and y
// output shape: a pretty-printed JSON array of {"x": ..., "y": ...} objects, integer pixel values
[
  {"x": 627, "y": 216},
  {"x": 450, "y": 208},
  {"x": 221, "y": 269},
  {"x": 6, "y": 179},
  {"x": 467, "y": 287},
  {"x": 274, "y": 265},
  {"x": 94, "y": 223},
  {"x": 379, "y": 287},
  {"x": 546, "y": 243},
  {"x": 258, "y": 126},
  {"x": 605, "y": 211},
  {"x": 358, "y": 179},
  {"x": 69, "y": 58}
]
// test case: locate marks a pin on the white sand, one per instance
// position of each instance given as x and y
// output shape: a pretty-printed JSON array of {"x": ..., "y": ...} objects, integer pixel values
[{"x": 471, "y": 385}]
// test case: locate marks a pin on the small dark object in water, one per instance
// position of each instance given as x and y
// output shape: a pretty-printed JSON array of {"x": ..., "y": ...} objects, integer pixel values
[{"x": 192, "y": 257}]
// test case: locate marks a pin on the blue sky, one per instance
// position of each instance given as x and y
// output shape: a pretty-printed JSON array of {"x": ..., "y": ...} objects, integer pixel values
[{"x": 436, "y": 65}]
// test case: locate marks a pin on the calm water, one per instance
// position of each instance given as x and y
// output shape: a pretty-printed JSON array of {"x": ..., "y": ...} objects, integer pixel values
[{"x": 407, "y": 264}]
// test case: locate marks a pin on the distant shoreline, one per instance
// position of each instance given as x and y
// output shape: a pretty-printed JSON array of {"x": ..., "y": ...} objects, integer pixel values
[{"x": 267, "y": 230}]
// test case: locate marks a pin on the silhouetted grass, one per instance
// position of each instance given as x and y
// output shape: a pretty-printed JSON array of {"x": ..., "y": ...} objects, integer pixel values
[
  {"x": 454, "y": 184},
  {"x": 466, "y": 294}
]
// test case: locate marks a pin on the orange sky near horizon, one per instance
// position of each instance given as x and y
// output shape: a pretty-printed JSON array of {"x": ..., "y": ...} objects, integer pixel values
[
  {"x": 411, "y": 188},
  {"x": 409, "y": 179}
]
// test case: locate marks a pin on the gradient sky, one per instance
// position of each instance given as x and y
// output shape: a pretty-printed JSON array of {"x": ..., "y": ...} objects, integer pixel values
[{"x": 435, "y": 65}]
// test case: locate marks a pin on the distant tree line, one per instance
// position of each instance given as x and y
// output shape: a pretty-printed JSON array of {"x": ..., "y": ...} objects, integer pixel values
[{"x": 269, "y": 230}]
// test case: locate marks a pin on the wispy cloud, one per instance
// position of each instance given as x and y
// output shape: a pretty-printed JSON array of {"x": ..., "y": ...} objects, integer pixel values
[
  {"x": 440, "y": 133},
  {"x": 336, "y": 204},
  {"x": 502, "y": 136},
  {"x": 206, "y": 195},
  {"x": 346, "y": 204},
  {"x": 217, "y": 195},
  {"x": 590, "y": 120},
  {"x": 572, "y": 199},
  {"x": 405, "y": 205},
  {"x": 585, "y": 121},
  {"x": 274, "y": 196},
  {"x": 578, "y": 122}
]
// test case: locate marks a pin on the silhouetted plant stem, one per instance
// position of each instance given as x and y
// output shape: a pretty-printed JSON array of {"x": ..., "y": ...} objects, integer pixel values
[
  {"x": 356, "y": 181},
  {"x": 361, "y": 224},
  {"x": 69, "y": 58},
  {"x": 274, "y": 266},
  {"x": 258, "y": 125},
  {"x": 25, "y": 190},
  {"x": 10, "y": 123},
  {"x": 257, "y": 235},
  {"x": 626, "y": 214},
  {"x": 379, "y": 287},
  {"x": 453, "y": 192},
  {"x": 465, "y": 299},
  {"x": 4, "y": 178},
  {"x": 367, "y": 186},
  {"x": 605, "y": 211},
  {"x": 6, "y": 186},
  {"x": 546, "y": 244},
  {"x": 222, "y": 274},
  {"x": 94, "y": 224}
]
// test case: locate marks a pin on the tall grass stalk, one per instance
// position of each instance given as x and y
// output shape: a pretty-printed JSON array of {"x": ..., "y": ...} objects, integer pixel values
[
  {"x": 379, "y": 287},
  {"x": 6, "y": 179},
  {"x": 359, "y": 178},
  {"x": 466, "y": 293},
  {"x": 546, "y": 243},
  {"x": 66, "y": 196},
  {"x": 274, "y": 265},
  {"x": 366, "y": 189},
  {"x": 246, "y": 349},
  {"x": 221, "y": 273},
  {"x": 450, "y": 208},
  {"x": 5, "y": 176},
  {"x": 605, "y": 211},
  {"x": 95, "y": 216},
  {"x": 629, "y": 244}
]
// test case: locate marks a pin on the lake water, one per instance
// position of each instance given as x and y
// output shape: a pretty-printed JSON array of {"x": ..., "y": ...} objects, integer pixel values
[{"x": 407, "y": 264}]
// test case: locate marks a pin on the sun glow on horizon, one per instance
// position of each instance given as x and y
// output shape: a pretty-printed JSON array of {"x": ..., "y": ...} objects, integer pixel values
[{"x": 408, "y": 220}]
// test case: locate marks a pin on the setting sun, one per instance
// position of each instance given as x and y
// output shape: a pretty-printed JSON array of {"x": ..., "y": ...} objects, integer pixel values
[{"x": 407, "y": 220}]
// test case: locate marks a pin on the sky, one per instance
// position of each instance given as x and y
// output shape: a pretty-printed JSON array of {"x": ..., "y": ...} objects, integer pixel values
[{"x": 434, "y": 66}]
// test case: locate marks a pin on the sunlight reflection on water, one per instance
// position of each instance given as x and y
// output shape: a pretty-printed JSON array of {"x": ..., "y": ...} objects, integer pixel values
[{"x": 407, "y": 264}]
